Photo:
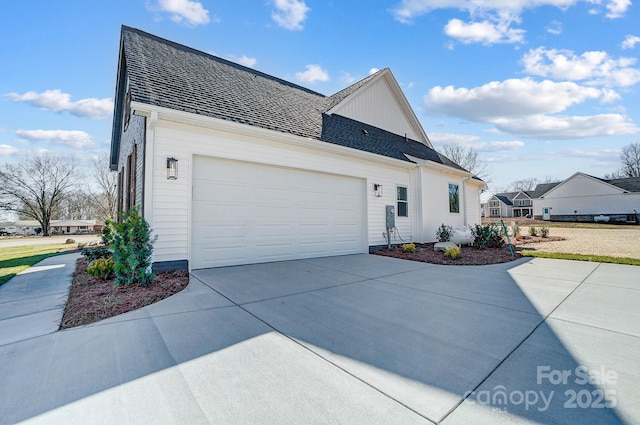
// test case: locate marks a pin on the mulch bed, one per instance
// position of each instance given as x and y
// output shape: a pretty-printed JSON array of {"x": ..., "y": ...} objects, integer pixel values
[
  {"x": 469, "y": 255},
  {"x": 92, "y": 299}
]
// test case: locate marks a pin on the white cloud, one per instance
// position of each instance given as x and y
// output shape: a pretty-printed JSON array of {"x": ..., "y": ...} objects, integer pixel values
[
  {"x": 7, "y": 150},
  {"x": 617, "y": 8},
  {"x": 497, "y": 146},
  {"x": 514, "y": 98},
  {"x": 569, "y": 127},
  {"x": 492, "y": 19},
  {"x": 187, "y": 12},
  {"x": 484, "y": 32},
  {"x": 347, "y": 78},
  {"x": 312, "y": 74},
  {"x": 555, "y": 28},
  {"x": 452, "y": 138},
  {"x": 57, "y": 101},
  {"x": 373, "y": 71},
  {"x": 74, "y": 138},
  {"x": 290, "y": 14},
  {"x": 606, "y": 155},
  {"x": 630, "y": 42},
  {"x": 593, "y": 67},
  {"x": 244, "y": 60}
]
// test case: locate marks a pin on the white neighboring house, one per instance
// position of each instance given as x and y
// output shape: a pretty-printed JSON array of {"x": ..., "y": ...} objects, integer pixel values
[
  {"x": 233, "y": 166},
  {"x": 582, "y": 197}
]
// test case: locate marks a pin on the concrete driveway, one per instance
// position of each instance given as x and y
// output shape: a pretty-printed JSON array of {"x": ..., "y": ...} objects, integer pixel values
[{"x": 352, "y": 339}]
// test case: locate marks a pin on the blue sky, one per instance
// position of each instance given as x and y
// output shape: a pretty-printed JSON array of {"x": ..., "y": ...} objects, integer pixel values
[{"x": 539, "y": 88}]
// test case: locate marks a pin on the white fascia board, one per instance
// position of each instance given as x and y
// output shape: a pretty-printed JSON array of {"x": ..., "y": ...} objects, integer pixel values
[{"x": 188, "y": 118}]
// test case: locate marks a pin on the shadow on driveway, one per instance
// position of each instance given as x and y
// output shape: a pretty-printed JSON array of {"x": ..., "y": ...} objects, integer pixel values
[{"x": 352, "y": 339}]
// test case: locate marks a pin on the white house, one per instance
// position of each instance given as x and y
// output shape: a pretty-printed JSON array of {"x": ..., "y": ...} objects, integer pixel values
[
  {"x": 233, "y": 166},
  {"x": 582, "y": 197}
]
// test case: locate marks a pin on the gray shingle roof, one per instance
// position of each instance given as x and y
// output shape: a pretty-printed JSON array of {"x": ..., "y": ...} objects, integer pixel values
[
  {"x": 543, "y": 188},
  {"x": 167, "y": 74},
  {"x": 630, "y": 184}
]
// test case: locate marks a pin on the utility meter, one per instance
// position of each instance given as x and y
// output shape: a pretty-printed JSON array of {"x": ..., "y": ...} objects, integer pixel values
[{"x": 391, "y": 217}]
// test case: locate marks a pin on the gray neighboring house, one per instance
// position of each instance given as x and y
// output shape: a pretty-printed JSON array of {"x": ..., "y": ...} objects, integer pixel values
[
  {"x": 230, "y": 165},
  {"x": 509, "y": 204},
  {"x": 586, "y": 198}
]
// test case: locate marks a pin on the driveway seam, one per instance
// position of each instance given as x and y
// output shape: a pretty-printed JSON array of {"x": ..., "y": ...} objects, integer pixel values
[
  {"x": 544, "y": 320},
  {"x": 320, "y": 356},
  {"x": 594, "y": 327}
]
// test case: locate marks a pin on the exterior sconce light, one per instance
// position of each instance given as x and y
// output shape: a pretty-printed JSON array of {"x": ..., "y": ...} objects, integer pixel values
[
  {"x": 172, "y": 169},
  {"x": 377, "y": 190}
]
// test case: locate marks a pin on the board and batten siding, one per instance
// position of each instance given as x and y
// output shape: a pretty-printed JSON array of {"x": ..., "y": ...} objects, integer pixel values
[
  {"x": 435, "y": 202},
  {"x": 172, "y": 199},
  {"x": 371, "y": 106}
]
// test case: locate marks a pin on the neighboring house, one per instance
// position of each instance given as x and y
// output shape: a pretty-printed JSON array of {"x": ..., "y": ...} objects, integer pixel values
[
  {"x": 70, "y": 227},
  {"x": 33, "y": 227},
  {"x": 509, "y": 204},
  {"x": 582, "y": 197},
  {"x": 233, "y": 166}
]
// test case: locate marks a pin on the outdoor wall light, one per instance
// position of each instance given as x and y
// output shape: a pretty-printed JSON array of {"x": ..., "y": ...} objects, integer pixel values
[
  {"x": 172, "y": 169},
  {"x": 377, "y": 190}
]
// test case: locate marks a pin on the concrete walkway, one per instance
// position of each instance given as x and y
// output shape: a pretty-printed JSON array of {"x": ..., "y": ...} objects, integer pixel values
[{"x": 352, "y": 339}]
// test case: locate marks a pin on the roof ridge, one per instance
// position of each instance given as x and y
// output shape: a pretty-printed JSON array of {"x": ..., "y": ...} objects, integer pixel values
[{"x": 219, "y": 59}]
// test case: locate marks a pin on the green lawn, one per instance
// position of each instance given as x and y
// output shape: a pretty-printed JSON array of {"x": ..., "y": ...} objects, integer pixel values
[
  {"x": 15, "y": 259},
  {"x": 582, "y": 257}
]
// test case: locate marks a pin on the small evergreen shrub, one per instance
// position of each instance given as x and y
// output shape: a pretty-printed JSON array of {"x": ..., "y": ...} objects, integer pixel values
[
  {"x": 132, "y": 247},
  {"x": 444, "y": 233},
  {"x": 515, "y": 229},
  {"x": 101, "y": 268},
  {"x": 533, "y": 231},
  {"x": 488, "y": 236},
  {"x": 107, "y": 232},
  {"x": 544, "y": 232},
  {"x": 409, "y": 247},
  {"x": 452, "y": 252},
  {"x": 94, "y": 253}
]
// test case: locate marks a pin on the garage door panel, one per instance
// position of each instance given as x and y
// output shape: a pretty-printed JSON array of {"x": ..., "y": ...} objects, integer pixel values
[{"x": 246, "y": 213}]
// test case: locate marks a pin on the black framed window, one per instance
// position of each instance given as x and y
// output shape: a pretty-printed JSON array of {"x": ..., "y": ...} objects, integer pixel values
[{"x": 403, "y": 202}]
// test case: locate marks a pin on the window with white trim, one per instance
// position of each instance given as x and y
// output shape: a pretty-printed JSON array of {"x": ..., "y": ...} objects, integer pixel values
[{"x": 403, "y": 201}]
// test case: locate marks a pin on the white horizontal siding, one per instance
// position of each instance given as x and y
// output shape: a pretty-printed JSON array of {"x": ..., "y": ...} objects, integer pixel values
[{"x": 172, "y": 198}]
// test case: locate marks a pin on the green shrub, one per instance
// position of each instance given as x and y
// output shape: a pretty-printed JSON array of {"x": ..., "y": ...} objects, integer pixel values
[
  {"x": 515, "y": 229},
  {"x": 102, "y": 268},
  {"x": 107, "y": 232},
  {"x": 444, "y": 233},
  {"x": 452, "y": 252},
  {"x": 93, "y": 253},
  {"x": 544, "y": 232},
  {"x": 487, "y": 236},
  {"x": 533, "y": 231},
  {"x": 132, "y": 247},
  {"x": 409, "y": 247}
]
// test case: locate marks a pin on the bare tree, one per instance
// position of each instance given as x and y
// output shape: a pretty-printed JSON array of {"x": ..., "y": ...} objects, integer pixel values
[
  {"x": 77, "y": 205},
  {"x": 105, "y": 194},
  {"x": 528, "y": 184},
  {"x": 35, "y": 187},
  {"x": 630, "y": 158},
  {"x": 467, "y": 158}
]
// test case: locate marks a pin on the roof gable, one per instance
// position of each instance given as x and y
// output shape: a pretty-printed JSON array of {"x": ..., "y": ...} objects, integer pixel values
[
  {"x": 582, "y": 184},
  {"x": 378, "y": 100}
]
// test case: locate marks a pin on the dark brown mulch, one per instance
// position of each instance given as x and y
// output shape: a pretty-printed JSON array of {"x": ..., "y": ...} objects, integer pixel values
[
  {"x": 524, "y": 240},
  {"x": 469, "y": 255},
  {"x": 92, "y": 299}
]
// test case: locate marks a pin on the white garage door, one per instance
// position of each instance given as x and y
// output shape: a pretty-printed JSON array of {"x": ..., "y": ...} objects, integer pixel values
[{"x": 250, "y": 213}]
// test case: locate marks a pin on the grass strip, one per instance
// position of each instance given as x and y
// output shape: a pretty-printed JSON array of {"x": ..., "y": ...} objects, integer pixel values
[
  {"x": 16, "y": 259},
  {"x": 582, "y": 257}
]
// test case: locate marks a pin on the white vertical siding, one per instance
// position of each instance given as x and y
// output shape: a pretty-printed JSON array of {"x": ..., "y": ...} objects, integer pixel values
[
  {"x": 378, "y": 106},
  {"x": 435, "y": 202}
]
